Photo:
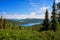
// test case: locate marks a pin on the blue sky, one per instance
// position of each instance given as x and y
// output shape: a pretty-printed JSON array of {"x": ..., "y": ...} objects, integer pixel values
[{"x": 18, "y": 9}]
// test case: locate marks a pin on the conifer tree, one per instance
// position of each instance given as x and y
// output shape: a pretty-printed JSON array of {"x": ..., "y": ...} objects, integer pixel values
[
  {"x": 4, "y": 23},
  {"x": 0, "y": 22},
  {"x": 46, "y": 22},
  {"x": 58, "y": 10},
  {"x": 54, "y": 21}
]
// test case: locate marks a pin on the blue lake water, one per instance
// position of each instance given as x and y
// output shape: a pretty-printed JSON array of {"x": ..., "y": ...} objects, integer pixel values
[{"x": 30, "y": 24}]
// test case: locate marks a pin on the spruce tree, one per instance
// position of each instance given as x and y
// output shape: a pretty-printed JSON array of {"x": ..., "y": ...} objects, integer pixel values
[
  {"x": 46, "y": 22},
  {"x": 54, "y": 21},
  {"x": 58, "y": 10},
  {"x": 1, "y": 22},
  {"x": 4, "y": 23}
]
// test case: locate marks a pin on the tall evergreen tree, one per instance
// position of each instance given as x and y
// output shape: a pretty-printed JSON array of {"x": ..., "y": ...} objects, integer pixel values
[
  {"x": 54, "y": 21},
  {"x": 4, "y": 23},
  {"x": 1, "y": 22},
  {"x": 46, "y": 23},
  {"x": 58, "y": 10}
]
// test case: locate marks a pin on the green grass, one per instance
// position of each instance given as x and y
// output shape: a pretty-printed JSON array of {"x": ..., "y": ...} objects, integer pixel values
[
  {"x": 28, "y": 34},
  {"x": 25, "y": 35}
]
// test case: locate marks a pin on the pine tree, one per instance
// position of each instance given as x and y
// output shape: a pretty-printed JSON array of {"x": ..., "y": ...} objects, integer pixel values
[
  {"x": 1, "y": 22},
  {"x": 54, "y": 21},
  {"x": 46, "y": 22},
  {"x": 58, "y": 8},
  {"x": 4, "y": 23}
]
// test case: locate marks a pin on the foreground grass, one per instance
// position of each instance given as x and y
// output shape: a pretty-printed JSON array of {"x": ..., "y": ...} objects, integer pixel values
[{"x": 6, "y": 34}]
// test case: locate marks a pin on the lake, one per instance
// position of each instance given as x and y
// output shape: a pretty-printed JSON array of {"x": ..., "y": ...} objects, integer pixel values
[{"x": 29, "y": 24}]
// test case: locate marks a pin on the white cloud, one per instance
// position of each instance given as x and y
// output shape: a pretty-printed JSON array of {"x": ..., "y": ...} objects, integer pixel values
[
  {"x": 32, "y": 13},
  {"x": 4, "y": 12},
  {"x": 43, "y": 9},
  {"x": 57, "y": 1},
  {"x": 37, "y": 16},
  {"x": 18, "y": 16},
  {"x": 32, "y": 3}
]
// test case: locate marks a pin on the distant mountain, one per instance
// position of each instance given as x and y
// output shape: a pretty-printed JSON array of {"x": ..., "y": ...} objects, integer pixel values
[
  {"x": 23, "y": 21},
  {"x": 31, "y": 20},
  {"x": 14, "y": 22}
]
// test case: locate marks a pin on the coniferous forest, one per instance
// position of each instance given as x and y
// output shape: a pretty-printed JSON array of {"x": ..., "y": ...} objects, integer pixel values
[{"x": 48, "y": 30}]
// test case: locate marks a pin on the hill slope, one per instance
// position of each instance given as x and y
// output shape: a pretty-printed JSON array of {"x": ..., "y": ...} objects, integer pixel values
[{"x": 31, "y": 20}]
